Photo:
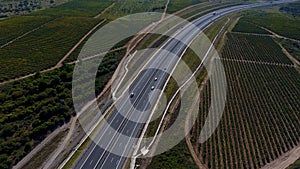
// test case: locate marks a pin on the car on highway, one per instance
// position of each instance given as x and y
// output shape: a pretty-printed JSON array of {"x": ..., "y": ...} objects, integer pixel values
[
  {"x": 152, "y": 88},
  {"x": 155, "y": 79},
  {"x": 131, "y": 95}
]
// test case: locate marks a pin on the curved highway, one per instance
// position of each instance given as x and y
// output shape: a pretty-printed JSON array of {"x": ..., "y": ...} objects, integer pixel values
[{"x": 140, "y": 96}]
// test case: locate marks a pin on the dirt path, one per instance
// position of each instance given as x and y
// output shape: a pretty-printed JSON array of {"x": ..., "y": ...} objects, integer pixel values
[
  {"x": 294, "y": 60},
  {"x": 106, "y": 9},
  {"x": 284, "y": 160},
  {"x": 279, "y": 36},
  {"x": 78, "y": 43}
]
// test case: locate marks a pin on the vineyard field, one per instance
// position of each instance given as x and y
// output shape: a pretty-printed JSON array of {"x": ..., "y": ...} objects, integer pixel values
[
  {"x": 248, "y": 27},
  {"x": 253, "y": 48},
  {"x": 275, "y": 21},
  {"x": 42, "y": 48},
  {"x": 81, "y": 8},
  {"x": 261, "y": 118},
  {"x": 17, "y": 26}
]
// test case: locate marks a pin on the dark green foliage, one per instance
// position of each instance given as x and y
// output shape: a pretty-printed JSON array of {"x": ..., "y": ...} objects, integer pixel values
[{"x": 30, "y": 110}]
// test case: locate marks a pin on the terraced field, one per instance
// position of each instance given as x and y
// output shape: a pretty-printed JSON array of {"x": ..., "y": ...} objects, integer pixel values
[{"x": 261, "y": 117}]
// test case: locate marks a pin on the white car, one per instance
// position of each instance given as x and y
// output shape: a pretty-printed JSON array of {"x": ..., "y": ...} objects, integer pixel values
[
  {"x": 152, "y": 88},
  {"x": 155, "y": 78}
]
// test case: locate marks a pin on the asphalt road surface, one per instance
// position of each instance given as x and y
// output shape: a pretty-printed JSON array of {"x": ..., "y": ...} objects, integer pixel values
[{"x": 129, "y": 119}]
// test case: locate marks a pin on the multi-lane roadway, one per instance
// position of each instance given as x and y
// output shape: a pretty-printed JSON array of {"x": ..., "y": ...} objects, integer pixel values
[{"x": 110, "y": 149}]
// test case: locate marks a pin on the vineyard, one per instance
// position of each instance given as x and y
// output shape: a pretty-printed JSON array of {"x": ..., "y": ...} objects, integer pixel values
[
  {"x": 19, "y": 25},
  {"x": 81, "y": 8},
  {"x": 42, "y": 48},
  {"x": 274, "y": 20},
  {"x": 248, "y": 27},
  {"x": 254, "y": 48},
  {"x": 261, "y": 117}
]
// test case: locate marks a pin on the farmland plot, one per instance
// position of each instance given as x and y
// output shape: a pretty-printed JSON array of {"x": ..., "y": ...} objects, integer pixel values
[{"x": 261, "y": 117}]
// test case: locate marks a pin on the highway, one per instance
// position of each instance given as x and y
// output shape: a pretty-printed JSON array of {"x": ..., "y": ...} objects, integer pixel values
[{"x": 129, "y": 119}]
